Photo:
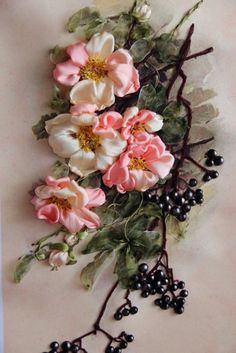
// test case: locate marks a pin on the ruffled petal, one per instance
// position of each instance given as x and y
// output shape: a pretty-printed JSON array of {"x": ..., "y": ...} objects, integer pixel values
[
  {"x": 89, "y": 218},
  {"x": 125, "y": 78},
  {"x": 83, "y": 163},
  {"x": 81, "y": 195},
  {"x": 78, "y": 53},
  {"x": 71, "y": 221},
  {"x": 162, "y": 166},
  {"x": 120, "y": 56},
  {"x": 49, "y": 212},
  {"x": 101, "y": 44},
  {"x": 113, "y": 146},
  {"x": 143, "y": 179},
  {"x": 96, "y": 196},
  {"x": 102, "y": 160},
  {"x": 57, "y": 183},
  {"x": 66, "y": 73},
  {"x": 64, "y": 145},
  {"x": 108, "y": 123},
  {"x": 38, "y": 203},
  {"x": 83, "y": 108},
  {"x": 155, "y": 124},
  {"x": 129, "y": 114},
  {"x": 84, "y": 119}
]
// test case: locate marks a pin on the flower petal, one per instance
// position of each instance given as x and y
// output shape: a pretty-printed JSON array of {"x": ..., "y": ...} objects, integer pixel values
[
  {"x": 125, "y": 78},
  {"x": 143, "y": 179},
  {"x": 90, "y": 219},
  {"x": 108, "y": 123},
  {"x": 78, "y": 53},
  {"x": 101, "y": 44},
  {"x": 71, "y": 221},
  {"x": 83, "y": 163},
  {"x": 64, "y": 145},
  {"x": 96, "y": 196},
  {"x": 83, "y": 108},
  {"x": 49, "y": 212},
  {"x": 155, "y": 124},
  {"x": 113, "y": 146},
  {"x": 120, "y": 56},
  {"x": 66, "y": 73},
  {"x": 103, "y": 161}
]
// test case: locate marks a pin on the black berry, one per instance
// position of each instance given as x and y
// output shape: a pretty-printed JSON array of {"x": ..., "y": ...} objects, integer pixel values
[
  {"x": 219, "y": 160},
  {"x": 209, "y": 162},
  {"x": 54, "y": 345},
  {"x": 211, "y": 154},
  {"x": 180, "y": 200},
  {"x": 117, "y": 350},
  {"x": 175, "y": 210},
  {"x": 184, "y": 293},
  {"x": 214, "y": 174},
  {"x": 133, "y": 310},
  {"x": 137, "y": 285},
  {"x": 181, "y": 284},
  {"x": 179, "y": 309},
  {"x": 158, "y": 301},
  {"x": 145, "y": 294},
  {"x": 186, "y": 208},
  {"x": 66, "y": 346},
  {"x": 75, "y": 348},
  {"x": 143, "y": 268},
  {"x": 182, "y": 217},
  {"x": 129, "y": 338},
  {"x": 125, "y": 312},
  {"x": 192, "y": 202},
  {"x": 206, "y": 177},
  {"x": 110, "y": 349},
  {"x": 123, "y": 344},
  {"x": 118, "y": 316},
  {"x": 193, "y": 182},
  {"x": 188, "y": 194}
]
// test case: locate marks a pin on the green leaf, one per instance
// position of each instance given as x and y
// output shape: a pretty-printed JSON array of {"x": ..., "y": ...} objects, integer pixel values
[
  {"x": 22, "y": 267},
  {"x": 91, "y": 272},
  {"x": 82, "y": 18},
  {"x": 152, "y": 210},
  {"x": 107, "y": 239},
  {"x": 151, "y": 98},
  {"x": 94, "y": 26},
  {"x": 59, "y": 246},
  {"x": 140, "y": 49},
  {"x": 147, "y": 246},
  {"x": 126, "y": 266},
  {"x": 176, "y": 228},
  {"x": 39, "y": 128},
  {"x": 130, "y": 204},
  {"x": 92, "y": 180},
  {"x": 121, "y": 28},
  {"x": 173, "y": 110},
  {"x": 204, "y": 113},
  {"x": 136, "y": 227},
  {"x": 141, "y": 30},
  {"x": 59, "y": 102},
  {"x": 58, "y": 54},
  {"x": 167, "y": 48},
  {"x": 173, "y": 130},
  {"x": 59, "y": 170}
]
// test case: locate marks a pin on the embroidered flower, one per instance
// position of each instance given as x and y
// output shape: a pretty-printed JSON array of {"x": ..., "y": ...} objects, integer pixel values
[
  {"x": 97, "y": 72},
  {"x": 64, "y": 201},
  {"x": 140, "y": 167},
  {"x": 58, "y": 258},
  {"x": 142, "y": 12},
  {"x": 137, "y": 125},
  {"x": 91, "y": 142}
]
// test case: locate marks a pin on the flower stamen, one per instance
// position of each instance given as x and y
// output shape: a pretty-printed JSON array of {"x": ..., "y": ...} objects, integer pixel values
[
  {"x": 137, "y": 163},
  {"x": 64, "y": 204},
  {"x": 87, "y": 139},
  {"x": 94, "y": 70},
  {"x": 137, "y": 128}
]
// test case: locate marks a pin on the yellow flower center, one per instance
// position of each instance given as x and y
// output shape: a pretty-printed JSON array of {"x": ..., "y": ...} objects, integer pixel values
[
  {"x": 137, "y": 163},
  {"x": 87, "y": 139},
  {"x": 61, "y": 203},
  {"x": 138, "y": 127},
  {"x": 95, "y": 69}
]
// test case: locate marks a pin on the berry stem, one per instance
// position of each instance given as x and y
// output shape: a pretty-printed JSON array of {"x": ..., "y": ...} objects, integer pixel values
[{"x": 196, "y": 163}]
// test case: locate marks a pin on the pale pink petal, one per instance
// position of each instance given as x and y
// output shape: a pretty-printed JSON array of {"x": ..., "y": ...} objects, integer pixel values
[
  {"x": 107, "y": 124},
  {"x": 143, "y": 179},
  {"x": 83, "y": 108},
  {"x": 81, "y": 195},
  {"x": 128, "y": 185},
  {"x": 38, "y": 203},
  {"x": 162, "y": 166},
  {"x": 71, "y": 221},
  {"x": 116, "y": 175},
  {"x": 61, "y": 183},
  {"x": 129, "y": 114},
  {"x": 101, "y": 44},
  {"x": 66, "y": 73},
  {"x": 103, "y": 161},
  {"x": 90, "y": 219},
  {"x": 96, "y": 197},
  {"x": 125, "y": 78},
  {"x": 120, "y": 56},
  {"x": 78, "y": 53},
  {"x": 49, "y": 212}
]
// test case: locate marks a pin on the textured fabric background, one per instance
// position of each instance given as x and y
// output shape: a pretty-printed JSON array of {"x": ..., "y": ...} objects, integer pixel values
[{"x": 48, "y": 305}]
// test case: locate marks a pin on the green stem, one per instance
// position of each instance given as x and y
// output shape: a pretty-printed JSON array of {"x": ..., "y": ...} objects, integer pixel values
[{"x": 46, "y": 237}]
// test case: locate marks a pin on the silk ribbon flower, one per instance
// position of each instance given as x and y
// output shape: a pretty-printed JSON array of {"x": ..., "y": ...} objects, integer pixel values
[
  {"x": 64, "y": 201},
  {"x": 91, "y": 142},
  {"x": 97, "y": 72},
  {"x": 140, "y": 167},
  {"x": 139, "y": 124}
]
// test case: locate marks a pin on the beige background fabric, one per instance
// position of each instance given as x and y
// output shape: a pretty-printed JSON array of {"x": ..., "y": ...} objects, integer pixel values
[{"x": 46, "y": 305}]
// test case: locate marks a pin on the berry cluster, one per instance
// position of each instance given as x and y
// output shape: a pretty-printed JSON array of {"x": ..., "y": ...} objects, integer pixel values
[
  {"x": 171, "y": 294},
  {"x": 212, "y": 159},
  {"x": 177, "y": 203},
  {"x": 124, "y": 340},
  {"x": 66, "y": 347},
  {"x": 125, "y": 311}
]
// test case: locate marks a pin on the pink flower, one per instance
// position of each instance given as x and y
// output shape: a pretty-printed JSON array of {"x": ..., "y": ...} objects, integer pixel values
[
  {"x": 140, "y": 167},
  {"x": 64, "y": 201},
  {"x": 58, "y": 258},
  {"x": 139, "y": 124},
  {"x": 97, "y": 72}
]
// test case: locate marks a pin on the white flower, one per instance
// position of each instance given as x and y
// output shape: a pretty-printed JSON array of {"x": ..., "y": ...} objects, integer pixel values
[
  {"x": 58, "y": 258},
  {"x": 142, "y": 12},
  {"x": 91, "y": 142}
]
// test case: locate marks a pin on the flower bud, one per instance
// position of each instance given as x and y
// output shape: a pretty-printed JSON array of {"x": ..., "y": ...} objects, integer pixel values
[
  {"x": 71, "y": 239},
  {"x": 58, "y": 258},
  {"x": 142, "y": 12}
]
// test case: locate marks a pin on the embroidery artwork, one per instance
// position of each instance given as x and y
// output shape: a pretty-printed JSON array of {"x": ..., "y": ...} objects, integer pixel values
[{"x": 134, "y": 153}]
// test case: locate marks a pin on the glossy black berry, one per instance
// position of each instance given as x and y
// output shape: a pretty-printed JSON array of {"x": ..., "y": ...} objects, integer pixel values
[
  {"x": 184, "y": 293},
  {"x": 125, "y": 312},
  {"x": 180, "y": 301},
  {"x": 153, "y": 291},
  {"x": 211, "y": 154},
  {"x": 200, "y": 201},
  {"x": 143, "y": 268},
  {"x": 53, "y": 351},
  {"x": 209, "y": 162},
  {"x": 179, "y": 309},
  {"x": 159, "y": 274},
  {"x": 118, "y": 316},
  {"x": 164, "y": 306},
  {"x": 188, "y": 194},
  {"x": 137, "y": 286},
  {"x": 180, "y": 200},
  {"x": 145, "y": 294},
  {"x": 192, "y": 182},
  {"x": 206, "y": 177},
  {"x": 182, "y": 217},
  {"x": 164, "y": 281},
  {"x": 150, "y": 278},
  {"x": 66, "y": 346},
  {"x": 192, "y": 202},
  {"x": 54, "y": 345},
  {"x": 75, "y": 348},
  {"x": 143, "y": 280},
  {"x": 186, "y": 208},
  {"x": 161, "y": 205},
  {"x": 173, "y": 194},
  {"x": 181, "y": 284},
  {"x": 135, "y": 278},
  {"x": 149, "y": 196},
  {"x": 123, "y": 344},
  {"x": 167, "y": 207},
  {"x": 165, "y": 198},
  {"x": 133, "y": 310},
  {"x": 166, "y": 298},
  {"x": 157, "y": 199},
  {"x": 110, "y": 349},
  {"x": 219, "y": 160},
  {"x": 158, "y": 301},
  {"x": 199, "y": 193},
  {"x": 174, "y": 287},
  {"x": 175, "y": 211},
  {"x": 214, "y": 174},
  {"x": 117, "y": 350},
  {"x": 129, "y": 338},
  {"x": 161, "y": 290}
]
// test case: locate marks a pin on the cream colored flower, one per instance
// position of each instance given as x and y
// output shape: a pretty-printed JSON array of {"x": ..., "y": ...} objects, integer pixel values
[{"x": 58, "y": 258}]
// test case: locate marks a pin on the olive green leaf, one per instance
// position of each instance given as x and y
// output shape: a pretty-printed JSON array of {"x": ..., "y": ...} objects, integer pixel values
[
  {"x": 57, "y": 54},
  {"x": 82, "y": 18},
  {"x": 120, "y": 28},
  {"x": 173, "y": 109},
  {"x": 173, "y": 130},
  {"x": 22, "y": 267},
  {"x": 167, "y": 48},
  {"x": 151, "y": 209},
  {"x": 176, "y": 228},
  {"x": 93, "y": 180},
  {"x": 204, "y": 113},
  {"x": 140, "y": 49},
  {"x": 59, "y": 246},
  {"x": 72, "y": 258},
  {"x": 91, "y": 272},
  {"x": 59, "y": 170},
  {"x": 39, "y": 128},
  {"x": 141, "y": 30},
  {"x": 94, "y": 26},
  {"x": 59, "y": 102},
  {"x": 126, "y": 266},
  {"x": 130, "y": 203},
  {"x": 151, "y": 98},
  {"x": 148, "y": 245}
]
